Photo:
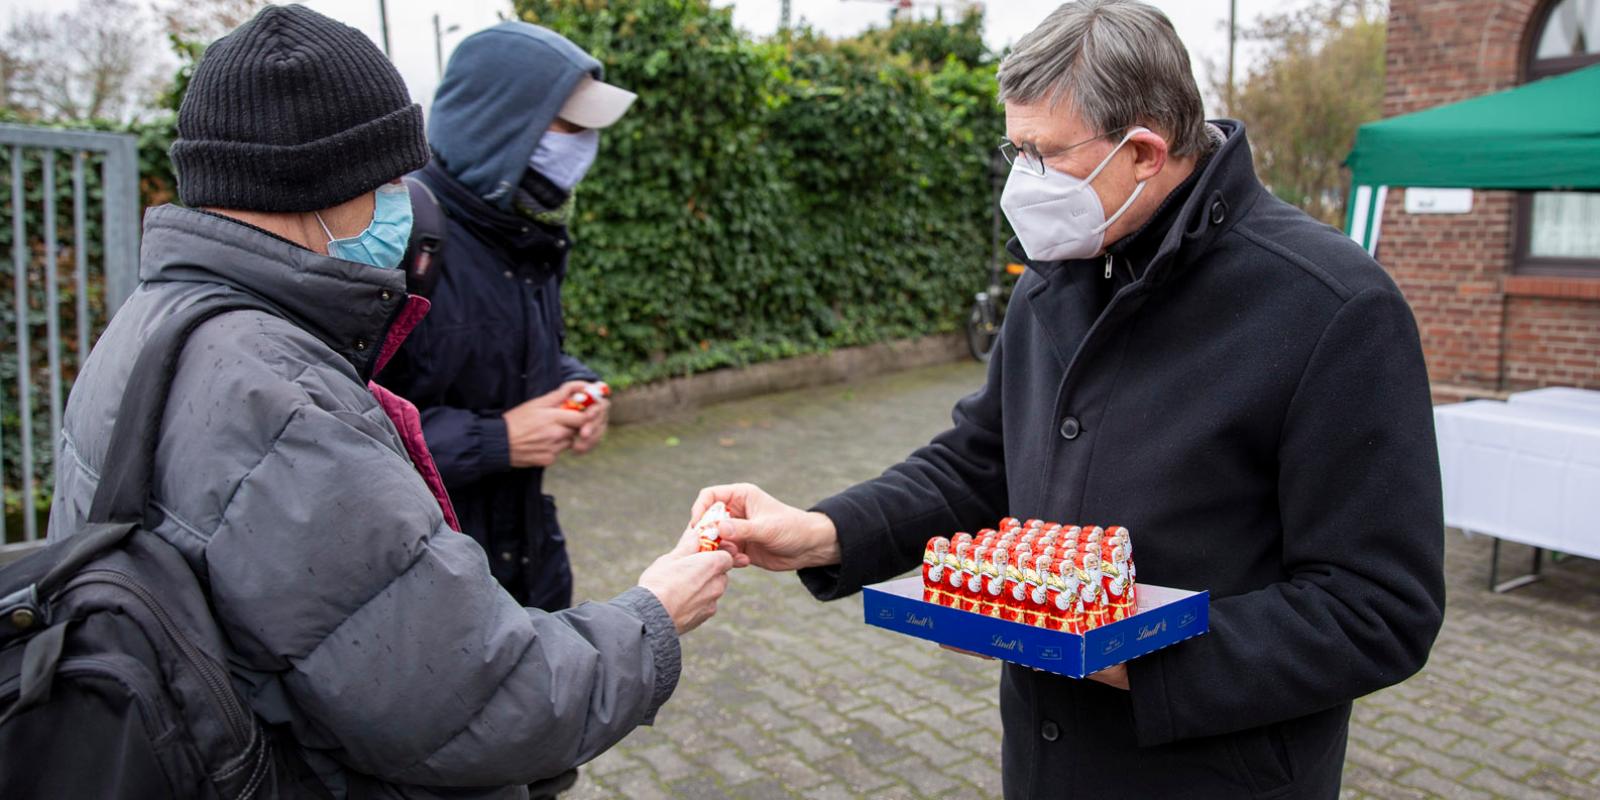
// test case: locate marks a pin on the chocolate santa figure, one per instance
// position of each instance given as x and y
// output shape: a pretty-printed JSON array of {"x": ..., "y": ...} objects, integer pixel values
[
  {"x": 961, "y": 576},
  {"x": 933, "y": 566},
  {"x": 1016, "y": 591},
  {"x": 1036, "y": 611},
  {"x": 1028, "y": 579},
  {"x": 1091, "y": 593},
  {"x": 1121, "y": 592},
  {"x": 1067, "y": 541},
  {"x": 1065, "y": 611},
  {"x": 994, "y": 582},
  {"x": 980, "y": 565}
]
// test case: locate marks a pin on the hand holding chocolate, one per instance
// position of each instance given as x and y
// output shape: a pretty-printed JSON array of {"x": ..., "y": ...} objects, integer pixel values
[
  {"x": 1061, "y": 577},
  {"x": 706, "y": 528},
  {"x": 589, "y": 395}
]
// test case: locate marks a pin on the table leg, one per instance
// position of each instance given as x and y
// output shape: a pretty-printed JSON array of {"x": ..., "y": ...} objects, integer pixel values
[{"x": 1500, "y": 587}]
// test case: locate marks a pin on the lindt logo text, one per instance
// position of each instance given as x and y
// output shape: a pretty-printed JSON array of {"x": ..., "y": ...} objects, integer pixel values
[
  {"x": 1001, "y": 642},
  {"x": 1151, "y": 630},
  {"x": 919, "y": 621}
]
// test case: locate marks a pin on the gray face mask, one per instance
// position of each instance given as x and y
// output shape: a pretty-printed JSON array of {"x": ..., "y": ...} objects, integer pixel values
[{"x": 565, "y": 158}]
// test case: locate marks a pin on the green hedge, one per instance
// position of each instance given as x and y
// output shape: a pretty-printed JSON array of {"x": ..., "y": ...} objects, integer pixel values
[{"x": 766, "y": 199}]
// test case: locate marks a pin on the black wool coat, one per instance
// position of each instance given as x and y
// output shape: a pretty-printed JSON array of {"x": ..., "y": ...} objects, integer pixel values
[{"x": 1247, "y": 395}]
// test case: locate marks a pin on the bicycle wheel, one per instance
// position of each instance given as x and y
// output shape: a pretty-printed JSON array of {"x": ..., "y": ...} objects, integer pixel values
[{"x": 981, "y": 333}]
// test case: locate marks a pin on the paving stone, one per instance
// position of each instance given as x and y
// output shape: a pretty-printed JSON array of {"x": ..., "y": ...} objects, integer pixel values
[
  {"x": 767, "y": 789},
  {"x": 830, "y": 791},
  {"x": 923, "y": 777},
  {"x": 1446, "y": 765},
  {"x": 638, "y": 785},
  {"x": 667, "y": 763},
  {"x": 1504, "y": 763},
  {"x": 700, "y": 787},
  {"x": 850, "y": 771},
  {"x": 1430, "y": 782},
  {"x": 730, "y": 765},
  {"x": 1500, "y": 786},
  {"x": 811, "y": 747},
  {"x": 791, "y": 771},
  {"x": 887, "y": 720},
  {"x": 873, "y": 748}
]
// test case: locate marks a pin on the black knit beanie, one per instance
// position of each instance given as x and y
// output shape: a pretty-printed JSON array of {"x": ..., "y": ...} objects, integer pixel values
[{"x": 293, "y": 111}]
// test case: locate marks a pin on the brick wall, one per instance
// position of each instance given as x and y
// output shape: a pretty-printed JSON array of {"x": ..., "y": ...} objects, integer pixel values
[
  {"x": 1484, "y": 331},
  {"x": 1551, "y": 341}
]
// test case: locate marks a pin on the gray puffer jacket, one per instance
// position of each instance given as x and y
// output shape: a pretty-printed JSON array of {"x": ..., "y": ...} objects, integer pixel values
[{"x": 355, "y": 613}]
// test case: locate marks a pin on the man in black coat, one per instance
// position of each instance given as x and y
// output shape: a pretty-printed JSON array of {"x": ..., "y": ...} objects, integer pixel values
[
  {"x": 513, "y": 128},
  {"x": 1187, "y": 356}
]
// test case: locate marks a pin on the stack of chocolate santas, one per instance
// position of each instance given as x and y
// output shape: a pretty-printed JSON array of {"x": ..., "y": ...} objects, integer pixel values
[{"x": 1062, "y": 577}]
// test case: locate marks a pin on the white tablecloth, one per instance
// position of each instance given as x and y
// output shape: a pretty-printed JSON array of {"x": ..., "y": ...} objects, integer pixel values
[
  {"x": 1579, "y": 400},
  {"x": 1527, "y": 472}
]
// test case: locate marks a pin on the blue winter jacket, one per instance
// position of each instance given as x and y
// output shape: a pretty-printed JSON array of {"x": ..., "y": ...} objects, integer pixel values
[{"x": 493, "y": 339}]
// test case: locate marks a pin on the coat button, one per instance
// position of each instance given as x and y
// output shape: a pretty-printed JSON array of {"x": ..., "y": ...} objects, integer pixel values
[
  {"x": 509, "y": 275},
  {"x": 386, "y": 295},
  {"x": 1219, "y": 212},
  {"x": 361, "y": 344},
  {"x": 1049, "y": 731},
  {"x": 1070, "y": 428},
  {"x": 506, "y": 556},
  {"x": 23, "y": 619}
]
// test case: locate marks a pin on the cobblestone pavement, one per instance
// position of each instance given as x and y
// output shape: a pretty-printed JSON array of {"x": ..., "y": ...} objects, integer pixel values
[{"x": 784, "y": 697}]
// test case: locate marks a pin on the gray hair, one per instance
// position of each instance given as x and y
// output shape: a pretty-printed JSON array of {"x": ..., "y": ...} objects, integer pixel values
[{"x": 1119, "y": 63}]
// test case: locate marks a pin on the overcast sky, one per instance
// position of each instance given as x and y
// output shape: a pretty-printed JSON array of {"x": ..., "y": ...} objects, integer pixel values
[{"x": 1201, "y": 23}]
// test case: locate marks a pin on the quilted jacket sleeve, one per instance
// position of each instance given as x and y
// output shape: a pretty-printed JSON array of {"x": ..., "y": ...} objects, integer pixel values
[{"x": 332, "y": 568}]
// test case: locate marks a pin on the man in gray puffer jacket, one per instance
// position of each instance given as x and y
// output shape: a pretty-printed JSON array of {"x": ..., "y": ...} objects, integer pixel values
[{"x": 302, "y": 497}]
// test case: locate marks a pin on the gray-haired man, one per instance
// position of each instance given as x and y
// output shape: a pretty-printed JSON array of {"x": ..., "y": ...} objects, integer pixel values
[{"x": 1187, "y": 356}]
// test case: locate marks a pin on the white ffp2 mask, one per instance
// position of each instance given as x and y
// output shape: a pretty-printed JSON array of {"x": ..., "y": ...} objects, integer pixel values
[{"x": 1056, "y": 216}]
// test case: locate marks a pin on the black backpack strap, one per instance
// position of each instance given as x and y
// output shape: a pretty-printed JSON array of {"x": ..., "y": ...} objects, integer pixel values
[
  {"x": 425, "y": 251},
  {"x": 124, "y": 491},
  {"x": 38, "y": 671}
]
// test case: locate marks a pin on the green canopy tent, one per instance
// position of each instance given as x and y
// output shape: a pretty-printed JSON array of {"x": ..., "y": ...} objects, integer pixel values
[{"x": 1539, "y": 136}]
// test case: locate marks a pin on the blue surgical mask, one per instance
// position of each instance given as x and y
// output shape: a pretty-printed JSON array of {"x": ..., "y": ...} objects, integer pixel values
[
  {"x": 383, "y": 243},
  {"x": 565, "y": 158}
]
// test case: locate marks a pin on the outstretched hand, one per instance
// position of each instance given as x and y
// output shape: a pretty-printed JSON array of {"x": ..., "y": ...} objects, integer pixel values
[
  {"x": 768, "y": 533},
  {"x": 688, "y": 583}
]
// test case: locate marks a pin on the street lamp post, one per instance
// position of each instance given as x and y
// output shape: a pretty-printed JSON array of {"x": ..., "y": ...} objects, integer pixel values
[
  {"x": 438, "y": 43},
  {"x": 1233, "y": 35},
  {"x": 383, "y": 24}
]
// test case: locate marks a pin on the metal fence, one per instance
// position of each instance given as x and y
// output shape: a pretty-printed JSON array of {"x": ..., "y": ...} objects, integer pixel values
[{"x": 104, "y": 177}]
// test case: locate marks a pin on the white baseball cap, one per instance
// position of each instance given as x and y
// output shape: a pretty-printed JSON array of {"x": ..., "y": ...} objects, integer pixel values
[{"x": 596, "y": 104}]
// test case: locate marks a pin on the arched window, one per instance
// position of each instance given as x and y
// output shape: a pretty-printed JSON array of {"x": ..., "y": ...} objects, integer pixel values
[
  {"x": 1567, "y": 38},
  {"x": 1559, "y": 232}
]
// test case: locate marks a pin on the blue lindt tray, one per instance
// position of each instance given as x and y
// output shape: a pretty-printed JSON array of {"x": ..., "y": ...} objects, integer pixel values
[{"x": 1165, "y": 617}]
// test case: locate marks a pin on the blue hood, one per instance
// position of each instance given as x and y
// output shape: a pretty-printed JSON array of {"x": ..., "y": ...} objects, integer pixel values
[{"x": 503, "y": 88}]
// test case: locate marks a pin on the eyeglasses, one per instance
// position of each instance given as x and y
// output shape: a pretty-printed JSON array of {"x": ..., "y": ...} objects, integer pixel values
[{"x": 1029, "y": 155}]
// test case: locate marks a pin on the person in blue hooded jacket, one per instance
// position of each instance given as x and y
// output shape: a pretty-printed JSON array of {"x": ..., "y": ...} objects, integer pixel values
[{"x": 514, "y": 127}]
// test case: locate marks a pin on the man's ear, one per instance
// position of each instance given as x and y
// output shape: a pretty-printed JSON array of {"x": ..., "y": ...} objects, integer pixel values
[{"x": 1149, "y": 154}]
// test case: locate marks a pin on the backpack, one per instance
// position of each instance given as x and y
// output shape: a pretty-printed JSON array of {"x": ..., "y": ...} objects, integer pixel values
[
  {"x": 113, "y": 672},
  {"x": 424, "y": 258}
]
